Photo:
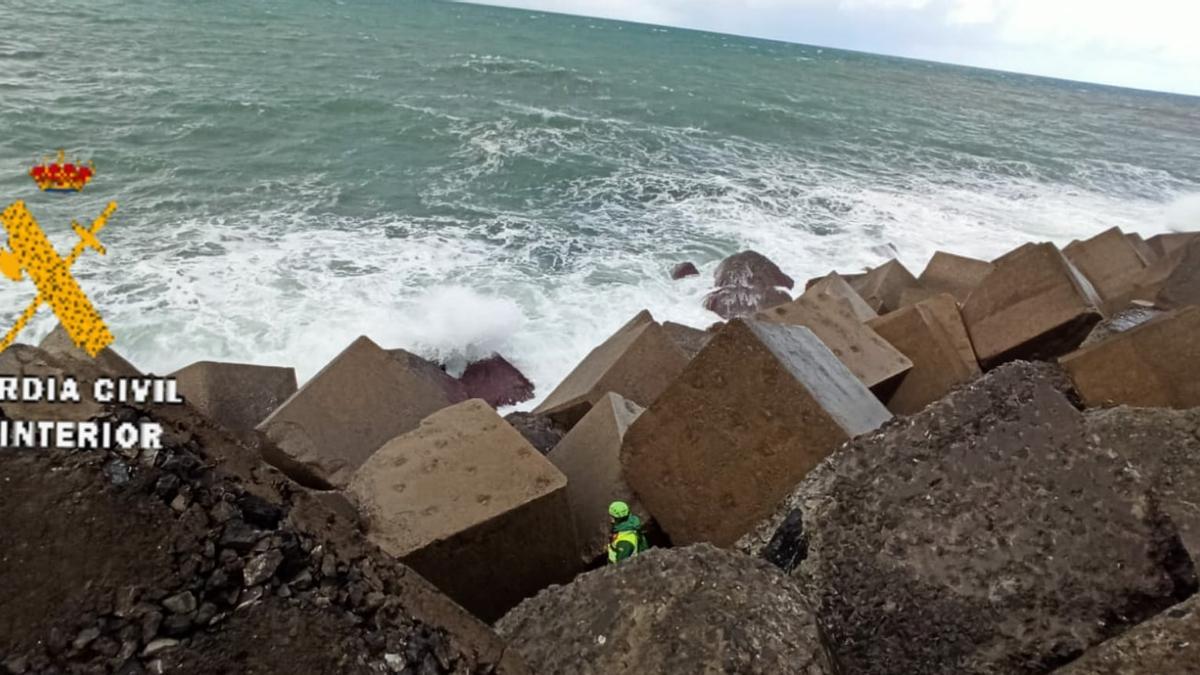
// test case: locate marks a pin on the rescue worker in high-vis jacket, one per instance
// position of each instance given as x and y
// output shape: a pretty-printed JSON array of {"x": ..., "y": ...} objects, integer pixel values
[{"x": 627, "y": 538}]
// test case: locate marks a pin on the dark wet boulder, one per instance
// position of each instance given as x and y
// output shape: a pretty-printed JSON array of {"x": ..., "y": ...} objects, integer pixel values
[
  {"x": 496, "y": 381},
  {"x": 986, "y": 534},
  {"x": 697, "y": 609},
  {"x": 542, "y": 432},
  {"x": 751, "y": 268},
  {"x": 745, "y": 283},
  {"x": 684, "y": 269}
]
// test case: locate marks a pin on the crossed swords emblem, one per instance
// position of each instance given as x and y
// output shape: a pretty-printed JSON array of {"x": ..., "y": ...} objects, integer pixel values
[{"x": 32, "y": 252}]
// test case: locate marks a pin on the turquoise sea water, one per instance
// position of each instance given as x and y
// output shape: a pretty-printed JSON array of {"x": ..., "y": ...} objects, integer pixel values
[{"x": 458, "y": 179}]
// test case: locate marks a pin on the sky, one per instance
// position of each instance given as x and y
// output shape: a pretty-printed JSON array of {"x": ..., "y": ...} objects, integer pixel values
[{"x": 1146, "y": 44}]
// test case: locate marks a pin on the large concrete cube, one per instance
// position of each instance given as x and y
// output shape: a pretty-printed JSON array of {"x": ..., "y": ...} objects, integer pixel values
[
  {"x": 690, "y": 340},
  {"x": 590, "y": 457},
  {"x": 1167, "y": 243},
  {"x": 748, "y": 418},
  {"x": 236, "y": 395},
  {"x": 954, "y": 274},
  {"x": 1156, "y": 364},
  {"x": 932, "y": 335},
  {"x": 1034, "y": 305},
  {"x": 882, "y": 286},
  {"x": 467, "y": 502},
  {"x": 638, "y": 362},
  {"x": 1181, "y": 287},
  {"x": 832, "y": 319},
  {"x": 360, "y": 400},
  {"x": 835, "y": 285},
  {"x": 1111, "y": 263}
]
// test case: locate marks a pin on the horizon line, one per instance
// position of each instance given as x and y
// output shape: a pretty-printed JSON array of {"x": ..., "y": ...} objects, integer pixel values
[{"x": 1055, "y": 78}]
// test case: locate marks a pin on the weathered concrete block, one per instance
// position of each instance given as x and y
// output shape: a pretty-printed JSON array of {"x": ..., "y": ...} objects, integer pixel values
[
  {"x": 835, "y": 285},
  {"x": 954, "y": 274},
  {"x": 882, "y": 286},
  {"x": 747, "y": 419},
  {"x": 1034, "y": 305},
  {"x": 1182, "y": 286},
  {"x": 932, "y": 335},
  {"x": 1111, "y": 263},
  {"x": 696, "y": 610},
  {"x": 453, "y": 388},
  {"x": 1167, "y": 243},
  {"x": 876, "y": 363},
  {"x": 690, "y": 340},
  {"x": 590, "y": 457},
  {"x": 467, "y": 502},
  {"x": 20, "y": 360},
  {"x": 1164, "y": 446},
  {"x": 59, "y": 345},
  {"x": 986, "y": 534},
  {"x": 637, "y": 362},
  {"x": 1148, "y": 254},
  {"x": 1156, "y": 364},
  {"x": 360, "y": 400},
  {"x": 236, "y": 395},
  {"x": 1167, "y": 643}
]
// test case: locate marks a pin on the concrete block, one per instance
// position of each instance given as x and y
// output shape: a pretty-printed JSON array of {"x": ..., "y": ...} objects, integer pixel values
[
  {"x": 882, "y": 286},
  {"x": 1167, "y": 243},
  {"x": 590, "y": 457},
  {"x": 638, "y": 362},
  {"x": 954, "y": 274},
  {"x": 1111, "y": 263},
  {"x": 59, "y": 345},
  {"x": 834, "y": 284},
  {"x": 360, "y": 400},
  {"x": 466, "y": 501},
  {"x": 236, "y": 395},
  {"x": 1181, "y": 287},
  {"x": 1156, "y": 364},
  {"x": 690, "y": 340},
  {"x": 932, "y": 335},
  {"x": 758, "y": 408},
  {"x": 1034, "y": 305},
  {"x": 832, "y": 319},
  {"x": 1148, "y": 254}
]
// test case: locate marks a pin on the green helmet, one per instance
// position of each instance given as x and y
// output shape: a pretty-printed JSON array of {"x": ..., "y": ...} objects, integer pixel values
[{"x": 618, "y": 510}]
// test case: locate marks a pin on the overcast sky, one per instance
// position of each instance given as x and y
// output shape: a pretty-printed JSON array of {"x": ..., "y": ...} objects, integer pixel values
[{"x": 1149, "y": 44}]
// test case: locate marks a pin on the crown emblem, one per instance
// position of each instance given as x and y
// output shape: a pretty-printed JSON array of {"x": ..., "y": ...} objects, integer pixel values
[{"x": 61, "y": 175}]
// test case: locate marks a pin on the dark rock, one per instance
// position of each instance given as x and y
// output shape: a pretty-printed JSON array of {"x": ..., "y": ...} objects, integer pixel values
[
  {"x": 542, "y": 432},
  {"x": 1120, "y": 322},
  {"x": 118, "y": 472},
  {"x": 684, "y": 269},
  {"x": 239, "y": 536},
  {"x": 496, "y": 381},
  {"x": 745, "y": 283},
  {"x": 85, "y": 637},
  {"x": 986, "y": 534},
  {"x": 731, "y": 302},
  {"x": 262, "y": 567},
  {"x": 181, "y": 603},
  {"x": 750, "y": 268},
  {"x": 258, "y": 511},
  {"x": 684, "y": 610},
  {"x": 177, "y": 625}
]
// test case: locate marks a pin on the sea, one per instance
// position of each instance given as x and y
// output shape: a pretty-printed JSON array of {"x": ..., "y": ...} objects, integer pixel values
[{"x": 463, "y": 180}]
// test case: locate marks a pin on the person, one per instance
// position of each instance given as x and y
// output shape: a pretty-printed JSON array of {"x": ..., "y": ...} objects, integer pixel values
[{"x": 627, "y": 537}]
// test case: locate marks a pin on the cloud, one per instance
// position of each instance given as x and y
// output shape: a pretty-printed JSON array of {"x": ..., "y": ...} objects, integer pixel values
[{"x": 1147, "y": 43}]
